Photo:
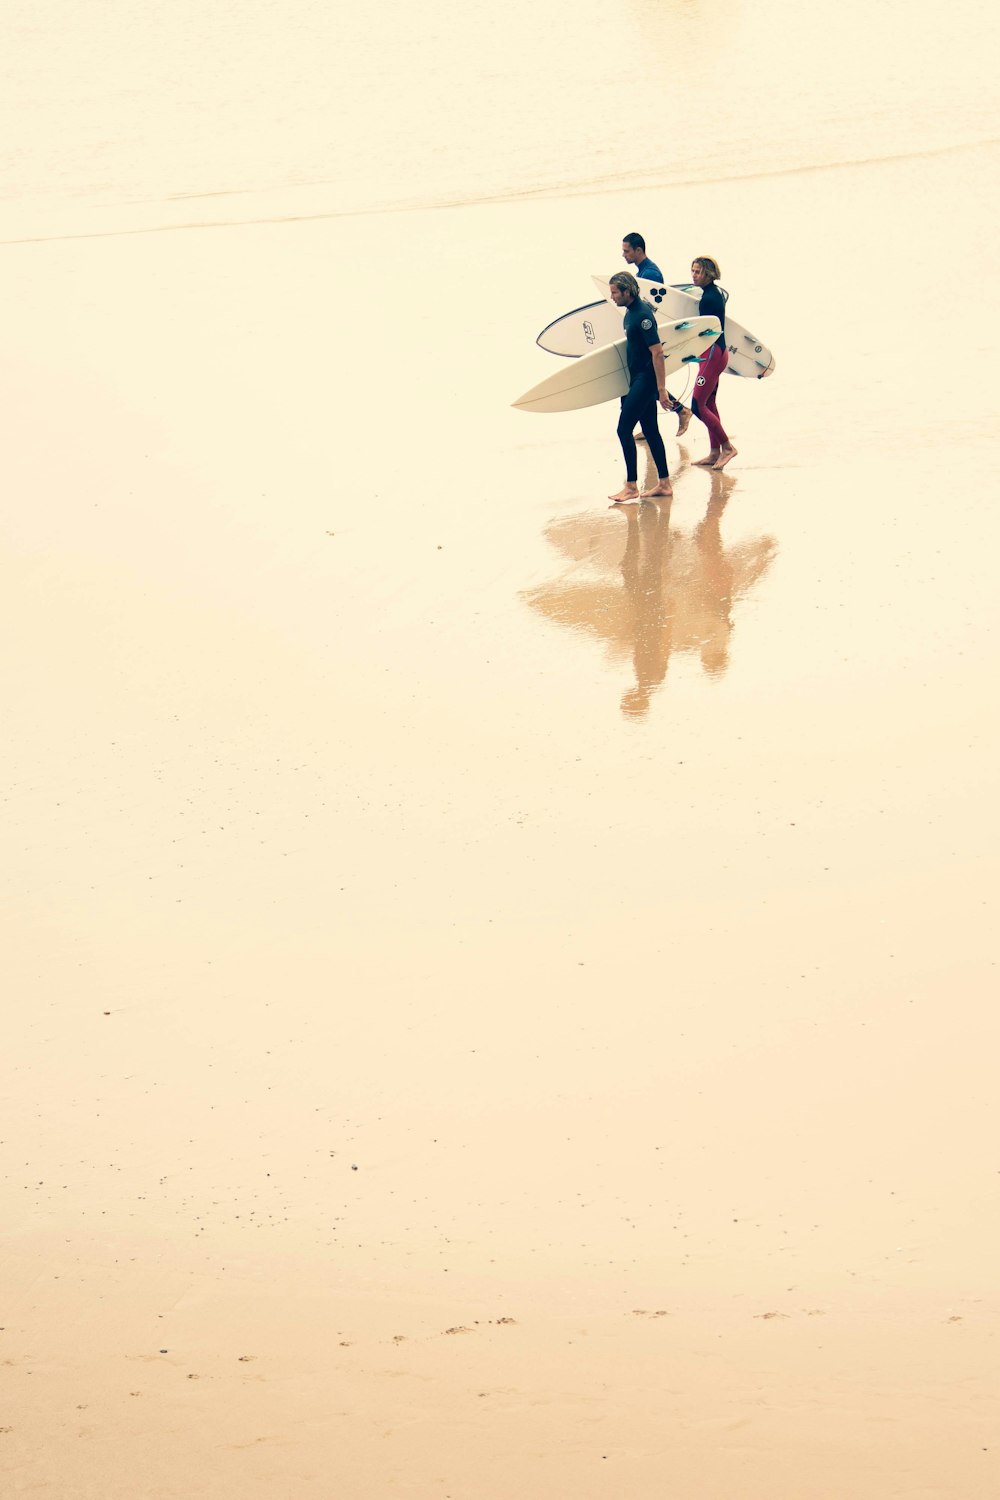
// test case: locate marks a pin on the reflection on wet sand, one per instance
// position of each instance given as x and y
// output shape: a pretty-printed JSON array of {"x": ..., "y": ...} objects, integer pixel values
[{"x": 677, "y": 589}]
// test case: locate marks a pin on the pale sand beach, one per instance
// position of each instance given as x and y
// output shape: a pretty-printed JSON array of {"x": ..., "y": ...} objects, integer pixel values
[{"x": 501, "y": 990}]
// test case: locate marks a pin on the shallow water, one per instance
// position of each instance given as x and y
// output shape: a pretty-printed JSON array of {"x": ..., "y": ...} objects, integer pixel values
[{"x": 141, "y": 116}]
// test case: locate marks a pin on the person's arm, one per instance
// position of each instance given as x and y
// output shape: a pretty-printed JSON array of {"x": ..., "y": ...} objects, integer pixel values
[{"x": 661, "y": 376}]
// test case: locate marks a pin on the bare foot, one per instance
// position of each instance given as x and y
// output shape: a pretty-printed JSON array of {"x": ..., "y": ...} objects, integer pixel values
[
  {"x": 626, "y": 493},
  {"x": 709, "y": 462},
  {"x": 662, "y": 487},
  {"x": 683, "y": 420},
  {"x": 724, "y": 457}
]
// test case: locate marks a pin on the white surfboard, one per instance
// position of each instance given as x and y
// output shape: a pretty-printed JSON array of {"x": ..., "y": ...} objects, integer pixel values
[
  {"x": 588, "y": 328},
  {"x": 603, "y": 374},
  {"x": 748, "y": 356},
  {"x": 583, "y": 330},
  {"x": 600, "y": 323}
]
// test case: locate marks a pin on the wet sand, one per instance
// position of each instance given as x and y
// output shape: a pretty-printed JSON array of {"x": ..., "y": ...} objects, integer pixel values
[{"x": 502, "y": 989}]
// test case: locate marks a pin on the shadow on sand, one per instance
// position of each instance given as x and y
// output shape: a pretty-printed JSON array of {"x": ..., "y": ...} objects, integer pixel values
[{"x": 666, "y": 592}]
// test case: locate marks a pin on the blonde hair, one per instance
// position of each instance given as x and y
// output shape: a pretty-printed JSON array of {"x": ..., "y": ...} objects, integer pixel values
[
  {"x": 625, "y": 283},
  {"x": 708, "y": 264}
]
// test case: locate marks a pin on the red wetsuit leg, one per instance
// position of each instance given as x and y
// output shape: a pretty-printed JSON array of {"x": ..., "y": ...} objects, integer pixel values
[{"x": 703, "y": 403}]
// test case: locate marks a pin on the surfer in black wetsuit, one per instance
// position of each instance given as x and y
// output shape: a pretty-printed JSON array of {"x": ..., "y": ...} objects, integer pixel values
[
  {"x": 705, "y": 273},
  {"x": 634, "y": 255},
  {"x": 647, "y": 383}
]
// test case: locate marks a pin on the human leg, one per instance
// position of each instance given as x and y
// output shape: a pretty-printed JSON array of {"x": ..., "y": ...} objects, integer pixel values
[
  {"x": 632, "y": 404},
  {"x": 626, "y": 421},
  {"x": 680, "y": 411},
  {"x": 657, "y": 452},
  {"x": 712, "y": 417},
  {"x": 651, "y": 432},
  {"x": 703, "y": 403},
  {"x": 726, "y": 449}
]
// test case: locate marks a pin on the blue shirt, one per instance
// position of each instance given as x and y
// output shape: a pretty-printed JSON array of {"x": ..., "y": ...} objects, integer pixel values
[
  {"x": 649, "y": 270},
  {"x": 642, "y": 335}
]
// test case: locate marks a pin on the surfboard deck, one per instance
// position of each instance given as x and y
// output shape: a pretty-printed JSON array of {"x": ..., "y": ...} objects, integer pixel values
[
  {"x": 583, "y": 330},
  {"x": 603, "y": 374},
  {"x": 749, "y": 357}
]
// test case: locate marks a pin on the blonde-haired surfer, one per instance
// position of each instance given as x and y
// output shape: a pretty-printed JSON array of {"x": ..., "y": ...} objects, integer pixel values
[
  {"x": 634, "y": 255},
  {"x": 705, "y": 273},
  {"x": 646, "y": 381}
]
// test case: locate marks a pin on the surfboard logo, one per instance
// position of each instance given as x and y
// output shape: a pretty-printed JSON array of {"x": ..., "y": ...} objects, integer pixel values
[
  {"x": 656, "y": 294},
  {"x": 588, "y": 331}
]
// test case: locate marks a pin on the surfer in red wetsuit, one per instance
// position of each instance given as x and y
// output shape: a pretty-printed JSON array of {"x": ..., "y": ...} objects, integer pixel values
[{"x": 705, "y": 273}]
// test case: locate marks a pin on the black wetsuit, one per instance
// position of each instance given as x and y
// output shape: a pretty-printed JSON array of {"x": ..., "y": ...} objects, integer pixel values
[
  {"x": 713, "y": 305},
  {"x": 639, "y": 405}
]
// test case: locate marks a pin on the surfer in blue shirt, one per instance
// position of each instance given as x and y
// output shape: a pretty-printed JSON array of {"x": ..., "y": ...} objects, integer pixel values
[
  {"x": 646, "y": 383},
  {"x": 634, "y": 254}
]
